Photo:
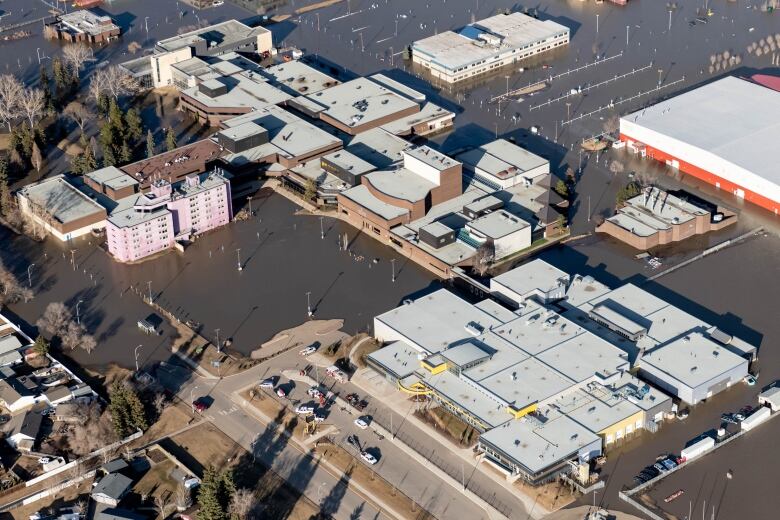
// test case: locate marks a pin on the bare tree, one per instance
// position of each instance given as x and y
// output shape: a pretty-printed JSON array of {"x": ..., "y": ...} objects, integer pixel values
[
  {"x": 159, "y": 402},
  {"x": 11, "y": 291},
  {"x": 76, "y": 55},
  {"x": 114, "y": 82},
  {"x": 161, "y": 503},
  {"x": 133, "y": 47},
  {"x": 32, "y": 103},
  {"x": 55, "y": 319},
  {"x": 183, "y": 497},
  {"x": 71, "y": 336},
  {"x": 94, "y": 431},
  {"x": 78, "y": 113},
  {"x": 242, "y": 504},
  {"x": 612, "y": 124},
  {"x": 88, "y": 343},
  {"x": 97, "y": 85},
  {"x": 483, "y": 259},
  {"x": 10, "y": 96},
  {"x": 616, "y": 167}
]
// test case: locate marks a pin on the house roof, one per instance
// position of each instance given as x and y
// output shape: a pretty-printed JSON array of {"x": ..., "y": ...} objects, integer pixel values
[
  {"x": 113, "y": 486},
  {"x": 27, "y": 424}
]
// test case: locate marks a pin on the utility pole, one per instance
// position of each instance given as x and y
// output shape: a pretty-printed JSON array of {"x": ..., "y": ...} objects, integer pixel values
[
  {"x": 238, "y": 256},
  {"x": 362, "y": 47},
  {"x": 73, "y": 259},
  {"x": 249, "y": 199},
  {"x": 219, "y": 346},
  {"x": 396, "y": 27},
  {"x": 78, "y": 319},
  {"x": 149, "y": 283},
  {"x": 308, "y": 303},
  {"x": 660, "y": 72},
  {"x": 568, "y": 105},
  {"x": 597, "y": 24},
  {"x": 392, "y": 262},
  {"x": 627, "y": 35},
  {"x": 29, "y": 274},
  {"x": 136, "y": 357},
  {"x": 670, "y": 20},
  {"x": 322, "y": 229}
]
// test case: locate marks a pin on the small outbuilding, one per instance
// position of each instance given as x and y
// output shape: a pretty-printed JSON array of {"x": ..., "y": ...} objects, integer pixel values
[{"x": 770, "y": 398}]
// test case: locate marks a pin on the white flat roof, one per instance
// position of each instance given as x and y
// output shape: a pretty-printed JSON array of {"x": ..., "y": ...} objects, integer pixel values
[
  {"x": 693, "y": 359},
  {"x": 60, "y": 199},
  {"x": 516, "y": 30},
  {"x": 536, "y": 445},
  {"x": 731, "y": 118},
  {"x": 497, "y": 224},
  {"x": 362, "y": 196},
  {"x": 536, "y": 274},
  {"x": 400, "y": 184}
]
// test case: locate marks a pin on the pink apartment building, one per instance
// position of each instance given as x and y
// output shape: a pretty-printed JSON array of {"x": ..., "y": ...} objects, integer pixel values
[{"x": 147, "y": 223}]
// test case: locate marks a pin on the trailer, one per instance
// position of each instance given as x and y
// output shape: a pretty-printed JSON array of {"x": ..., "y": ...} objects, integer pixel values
[
  {"x": 756, "y": 418},
  {"x": 697, "y": 448}
]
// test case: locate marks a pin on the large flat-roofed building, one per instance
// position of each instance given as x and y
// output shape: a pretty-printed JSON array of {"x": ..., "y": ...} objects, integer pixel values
[
  {"x": 272, "y": 135},
  {"x": 226, "y": 37},
  {"x": 83, "y": 26},
  {"x": 502, "y": 164},
  {"x": 722, "y": 133},
  {"x": 656, "y": 217},
  {"x": 175, "y": 165},
  {"x": 60, "y": 208},
  {"x": 365, "y": 103},
  {"x": 487, "y": 45},
  {"x": 224, "y": 97}
]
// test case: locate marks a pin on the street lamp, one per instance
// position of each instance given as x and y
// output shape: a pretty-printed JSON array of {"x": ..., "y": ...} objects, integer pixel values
[
  {"x": 660, "y": 71},
  {"x": 322, "y": 230},
  {"x": 38, "y": 53},
  {"x": 149, "y": 284},
  {"x": 249, "y": 199},
  {"x": 78, "y": 319},
  {"x": 392, "y": 262},
  {"x": 136, "y": 357},
  {"x": 568, "y": 105},
  {"x": 627, "y": 35},
  {"x": 146, "y": 24},
  {"x": 308, "y": 303},
  {"x": 238, "y": 256},
  {"x": 597, "y": 24},
  {"x": 29, "y": 274},
  {"x": 219, "y": 347}
]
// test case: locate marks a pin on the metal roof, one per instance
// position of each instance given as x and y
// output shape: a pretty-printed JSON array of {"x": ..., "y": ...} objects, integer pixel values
[
  {"x": 60, "y": 199},
  {"x": 733, "y": 119}
]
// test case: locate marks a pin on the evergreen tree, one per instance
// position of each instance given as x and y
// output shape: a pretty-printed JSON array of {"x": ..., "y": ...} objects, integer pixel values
[
  {"x": 115, "y": 117},
  {"x": 562, "y": 189},
  {"x": 5, "y": 191},
  {"x": 150, "y": 144},
  {"x": 46, "y": 88},
  {"x": 124, "y": 153},
  {"x": 134, "y": 124},
  {"x": 89, "y": 160},
  {"x": 60, "y": 79},
  {"x": 170, "y": 140},
  {"x": 102, "y": 104},
  {"x": 136, "y": 410},
  {"x": 109, "y": 143},
  {"x": 41, "y": 346},
  {"x": 214, "y": 494},
  {"x": 118, "y": 407}
]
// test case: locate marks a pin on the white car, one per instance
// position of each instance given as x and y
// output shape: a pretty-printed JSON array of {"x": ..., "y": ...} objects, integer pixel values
[
  {"x": 750, "y": 380},
  {"x": 307, "y": 351},
  {"x": 361, "y": 423},
  {"x": 319, "y": 418},
  {"x": 368, "y": 457},
  {"x": 314, "y": 392},
  {"x": 280, "y": 392},
  {"x": 268, "y": 383},
  {"x": 304, "y": 410},
  {"x": 218, "y": 3},
  {"x": 44, "y": 460}
]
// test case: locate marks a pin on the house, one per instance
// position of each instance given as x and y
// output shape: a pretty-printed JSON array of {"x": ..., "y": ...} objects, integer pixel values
[
  {"x": 14, "y": 395},
  {"x": 111, "y": 489},
  {"x": 68, "y": 413},
  {"x": 22, "y": 430},
  {"x": 57, "y": 395}
]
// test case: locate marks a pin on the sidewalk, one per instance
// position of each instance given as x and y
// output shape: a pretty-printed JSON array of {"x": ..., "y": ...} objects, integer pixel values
[{"x": 390, "y": 398}]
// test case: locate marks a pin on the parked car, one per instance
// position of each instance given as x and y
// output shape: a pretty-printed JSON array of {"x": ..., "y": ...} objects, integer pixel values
[
  {"x": 750, "y": 380},
  {"x": 682, "y": 414},
  {"x": 44, "y": 460},
  {"x": 368, "y": 457},
  {"x": 281, "y": 393},
  {"x": 728, "y": 418},
  {"x": 361, "y": 422},
  {"x": 660, "y": 467},
  {"x": 360, "y": 405},
  {"x": 314, "y": 392},
  {"x": 304, "y": 410},
  {"x": 308, "y": 351},
  {"x": 669, "y": 464},
  {"x": 352, "y": 440},
  {"x": 267, "y": 383},
  {"x": 738, "y": 417},
  {"x": 200, "y": 405},
  {"x": 319, "y": 417}
]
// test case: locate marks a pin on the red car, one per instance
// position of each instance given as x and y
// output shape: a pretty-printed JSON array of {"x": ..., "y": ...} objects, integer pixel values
[{"x": 199, "y": 405}]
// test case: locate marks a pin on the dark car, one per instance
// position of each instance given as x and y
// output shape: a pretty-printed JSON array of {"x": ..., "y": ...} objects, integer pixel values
[{"x": 200, "y": 405}]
